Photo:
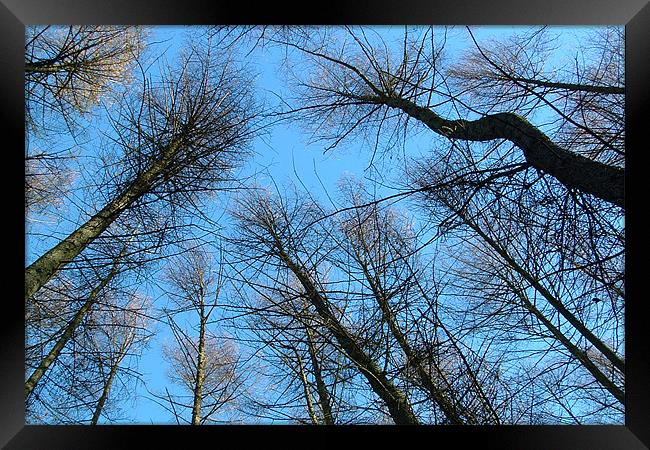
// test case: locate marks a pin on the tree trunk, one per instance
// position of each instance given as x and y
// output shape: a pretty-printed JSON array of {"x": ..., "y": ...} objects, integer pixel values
[
  {"x": 321, "y": 388},
  {"x": 200, "y": 375},
  {"x": 45, "y": 267},
  {"x": 572, "y": 170},
  {"x": 107, "y": 388},
  {"x": 437, "y": 395},
  {"x": 572, "y": 319},
  {"x": 573, "y": 350},
  {"x": 54, "y": 352},
  {"x": 397, "y": 403},
  {"x": 306, "y": 390},
  {"x": 556, "y": 303}
]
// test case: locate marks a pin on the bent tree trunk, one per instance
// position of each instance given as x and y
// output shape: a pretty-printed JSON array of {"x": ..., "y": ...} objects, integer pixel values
[
  {"x": 572, "y": 170},
  {"x": 45, "y": 267},
  {"x": 396, "y": 401}
]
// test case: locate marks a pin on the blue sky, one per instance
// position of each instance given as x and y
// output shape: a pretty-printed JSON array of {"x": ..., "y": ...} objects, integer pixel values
[{"x": 285, "y": 155}]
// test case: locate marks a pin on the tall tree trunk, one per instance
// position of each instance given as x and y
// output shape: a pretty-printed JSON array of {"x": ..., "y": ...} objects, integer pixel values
[
  {"x": 573, "y": 349},
  {"x": 54, "y": 352},
  {"x": 436, "y": 393},
  {"x": 306, "y": 390},
  {"x": 45, "y": 267},
  {"x": 572, "y": 319},
  {"x": 107, "y": 388},
  {"x": 321, "y": 387},
  {"x": 616, "y": 360},
  {"x": 396, "y": 401},
  {"x": 200, "y": 374},
  {"x": 496, "y": 420}
]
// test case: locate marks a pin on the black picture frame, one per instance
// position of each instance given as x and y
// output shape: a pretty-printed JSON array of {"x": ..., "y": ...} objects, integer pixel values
[{"x": 634, "y": 14}]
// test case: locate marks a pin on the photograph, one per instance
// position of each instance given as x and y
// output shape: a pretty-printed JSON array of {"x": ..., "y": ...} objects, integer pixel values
[
  {"x": 259, "y": 227},
  {"x": 325, "y": 225}
]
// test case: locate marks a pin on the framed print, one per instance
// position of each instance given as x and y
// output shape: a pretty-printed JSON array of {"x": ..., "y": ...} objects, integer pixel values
[{"x": 410, "y": 221}]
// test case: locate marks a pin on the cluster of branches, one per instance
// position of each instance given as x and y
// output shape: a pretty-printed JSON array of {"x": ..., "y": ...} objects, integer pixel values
[
  {"x": 534, "y": 214},
  {"x": 205, "y": 365},
  {"x": 69, "y": 71},
  {"x": 355, "y": 309},
  {"x": 175, "y": 138},
  {"x": 354, "y": 82},
  {"x": 498, "y": 299},
  {"x": 84, "y": 335}
]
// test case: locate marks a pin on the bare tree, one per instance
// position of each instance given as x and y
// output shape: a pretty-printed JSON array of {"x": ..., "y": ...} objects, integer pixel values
[
  {"x": 304, "y": 371},
  {"x": 381, "y": 253},
  {"x": 69, "y": 68},
  {"x": 529, "y": 190},
  {"x": 587, "y": 95},
  {"x": 359, "y": 82},
  {"x": 179, "y": 136},
  {"x": 70, "y": 329},
  {"x": 83, "y": 360},
  {"x": 522, "y": 283},
  {"x": 203, "y": 364},
  {"x": 68, "y": 72},
  {"x": 122, "y": 331},
  {"x": 497, "y": 297},
  {"x": 271, "y": 230}
]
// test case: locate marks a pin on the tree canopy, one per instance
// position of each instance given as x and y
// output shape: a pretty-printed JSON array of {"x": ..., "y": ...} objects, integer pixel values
[{"x": 325, "y": 225}]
